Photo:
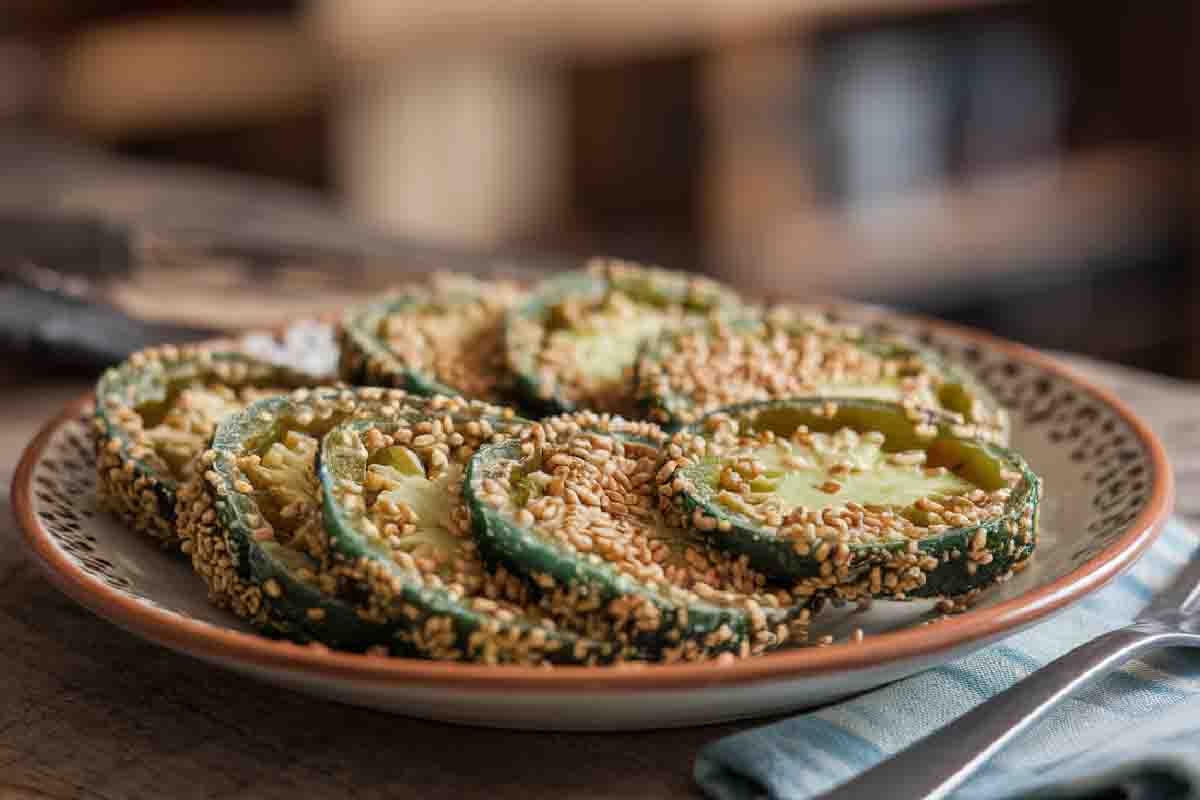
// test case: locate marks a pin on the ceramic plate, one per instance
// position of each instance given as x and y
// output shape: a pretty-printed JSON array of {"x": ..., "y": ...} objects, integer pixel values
[{"x": 1108, "y": 491}]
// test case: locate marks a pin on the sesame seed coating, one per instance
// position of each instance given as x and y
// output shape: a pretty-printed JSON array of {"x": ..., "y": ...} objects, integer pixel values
[
  {"x": 154, "y": 414},
  {"x": 575, "y": 496},
  {"x": 251, "y": 522},
  {"x": 375, "y": 573},
  {"x": 788, "y": 353},
  {"x": 900, "y": 522},
  {"x": 400, "y": 513},
  {"x": 444, "y": 337},
  {"x": 574, "y": 343}
]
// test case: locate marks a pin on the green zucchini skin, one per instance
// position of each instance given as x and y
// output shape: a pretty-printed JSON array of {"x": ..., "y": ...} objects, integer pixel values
[
  {"x": 238, "y": 571},
  {"x": 218, "y": 518},
  {"x": 957, "y": 392},
  {"x": 540, "y": 394},
  {"x": 408, "y": 601},
  {"x": 683, "y": 626},
  {"x": 947, "y": 564},
  {"x": 133, "y": 482}
]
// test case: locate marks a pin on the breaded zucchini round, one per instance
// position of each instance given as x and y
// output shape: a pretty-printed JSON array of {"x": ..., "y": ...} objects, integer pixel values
[
  {"x": 573, "y": 344},
  {"x": 855, "y": 497},
  {"x": 155, "y": 413},
  {"x": 442, "y": 338}
]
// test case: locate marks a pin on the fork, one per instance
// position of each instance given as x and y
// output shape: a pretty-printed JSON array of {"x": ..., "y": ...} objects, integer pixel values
[{"x": 938, "y": 764}]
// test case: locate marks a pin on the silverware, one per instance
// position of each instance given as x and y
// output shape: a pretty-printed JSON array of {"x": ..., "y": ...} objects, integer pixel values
[{"x": 938, "y": 764}]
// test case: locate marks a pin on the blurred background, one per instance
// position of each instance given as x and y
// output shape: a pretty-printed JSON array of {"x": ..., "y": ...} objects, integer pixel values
[{"x": 1026, "y": 167}]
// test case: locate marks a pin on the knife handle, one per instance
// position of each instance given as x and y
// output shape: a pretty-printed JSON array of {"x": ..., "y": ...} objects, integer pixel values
[{"x": 57, "y": 332}]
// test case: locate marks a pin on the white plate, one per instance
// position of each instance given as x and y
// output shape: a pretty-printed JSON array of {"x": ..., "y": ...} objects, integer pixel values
[{"x": 1108, "y": 490}]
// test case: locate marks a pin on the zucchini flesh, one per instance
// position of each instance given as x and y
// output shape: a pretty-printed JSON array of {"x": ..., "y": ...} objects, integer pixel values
[
  {"x": 396, "y": 517},
  {"x": 975, "y": 525},
  {"x": 441, "y": 338},
  {"x": 154, "y": 414},
  {"x": 574, "y": 343},
  {"x": 571, "y": 507},
  {"x": 252, "y": 519},
  {"x": 685, "y": 375}
]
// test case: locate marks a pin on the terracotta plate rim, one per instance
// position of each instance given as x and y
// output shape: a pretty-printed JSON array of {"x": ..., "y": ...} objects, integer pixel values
[{"x": 213, "y": 643}]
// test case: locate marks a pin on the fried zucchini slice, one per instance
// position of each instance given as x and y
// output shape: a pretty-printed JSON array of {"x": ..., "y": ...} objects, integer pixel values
[
  {"x": 573, "y": 344},
  {"x": 155, "y": 412},
  {"x": 250, "y": 517},
  {"x": 442, "y": 338},
  {"x": 289, "y": 526},
  {"x": 687, "y": 374},
  {"x": 394, "y": 508},
  {"x": 571, "y": 506},
  {"x": 856, "y": 498}
]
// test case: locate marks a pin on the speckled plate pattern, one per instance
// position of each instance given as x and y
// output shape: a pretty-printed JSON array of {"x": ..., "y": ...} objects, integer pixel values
[{"x": 1108, "y": 490}]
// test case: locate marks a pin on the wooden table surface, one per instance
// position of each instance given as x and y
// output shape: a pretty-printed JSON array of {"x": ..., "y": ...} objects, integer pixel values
[{"x": 90, "y": 711}]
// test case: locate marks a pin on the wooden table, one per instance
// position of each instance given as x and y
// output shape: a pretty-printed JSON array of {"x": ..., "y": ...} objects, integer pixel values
[{"x": 90, "y": 711}]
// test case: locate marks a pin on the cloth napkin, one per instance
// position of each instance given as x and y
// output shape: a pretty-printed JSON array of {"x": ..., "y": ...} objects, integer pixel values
[{"x": 1135, "y": 734}]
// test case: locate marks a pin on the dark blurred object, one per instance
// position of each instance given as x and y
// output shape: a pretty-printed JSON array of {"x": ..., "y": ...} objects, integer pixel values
[{"x": 55, "y": 331}]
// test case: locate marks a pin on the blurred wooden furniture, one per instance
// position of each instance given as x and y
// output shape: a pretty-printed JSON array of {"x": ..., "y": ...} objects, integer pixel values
[
  {"x": 1099, "y": 175},
  {"x": 1050, "y": 219},
  {"x": 184, "y": 72},
  {"x": 412, "y": 156},
  {"x": 451, "y": 118},
  {"x": 453, "y": 121},
  {"x": 236, "y": 88}
]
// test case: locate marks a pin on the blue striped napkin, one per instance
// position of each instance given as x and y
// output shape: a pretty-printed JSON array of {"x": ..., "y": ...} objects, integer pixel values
[{"x": 1136, "y": 734}]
